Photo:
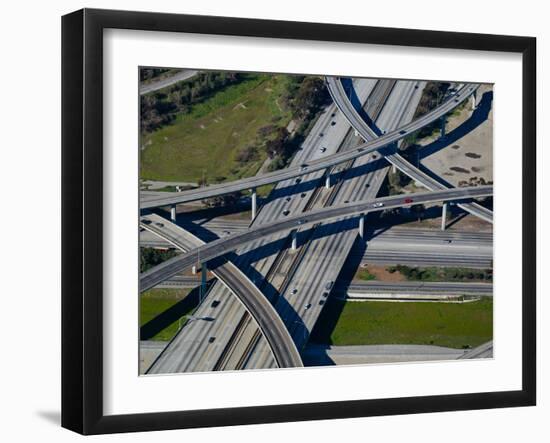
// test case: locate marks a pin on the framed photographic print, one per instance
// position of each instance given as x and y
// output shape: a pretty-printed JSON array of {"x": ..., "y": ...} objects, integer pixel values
[{"x": 271, "y": 221}]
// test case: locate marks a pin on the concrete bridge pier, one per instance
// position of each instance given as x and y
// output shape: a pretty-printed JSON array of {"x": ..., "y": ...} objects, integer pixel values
[
  {"x": 444, "y": 216},
  {"x": 173, "y": 213},
  {"x": 204, "y": 274},
  {"x": 356, "y": 132},
  {"x": 294, "y": 240},
  {"x": 254, "y": 203},
  {"x": 474, "y": 101},
  {"x": 327, "y": 181},
  {"x": 362, "y": 226},
  {"x": 443, "y": 121}
]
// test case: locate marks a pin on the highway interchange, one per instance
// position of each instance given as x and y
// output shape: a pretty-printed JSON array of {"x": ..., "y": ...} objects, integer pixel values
[{"x": 263, "y": 303}]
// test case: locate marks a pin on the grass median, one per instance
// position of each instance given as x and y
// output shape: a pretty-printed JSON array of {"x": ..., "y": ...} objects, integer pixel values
[
  {"x": 160, "y": 311},
  {"x": 454, "y": 325}
]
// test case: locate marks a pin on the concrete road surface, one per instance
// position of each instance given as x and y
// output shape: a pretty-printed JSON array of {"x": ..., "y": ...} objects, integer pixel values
[
  {"x": 322, "y": 355},
  {"x": 184, "y": 74},
  {"x": 165, "y": 270}
]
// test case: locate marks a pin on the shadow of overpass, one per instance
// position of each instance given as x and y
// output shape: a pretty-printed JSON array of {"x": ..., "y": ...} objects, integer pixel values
[
  {"x": 170, "y": 315},
  {"x": 479, "y": 116}
]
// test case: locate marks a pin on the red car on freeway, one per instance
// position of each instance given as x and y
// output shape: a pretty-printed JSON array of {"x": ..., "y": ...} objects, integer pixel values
[{"x": 408, "y": 200}]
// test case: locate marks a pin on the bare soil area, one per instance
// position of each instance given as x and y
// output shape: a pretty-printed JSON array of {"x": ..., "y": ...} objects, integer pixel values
[
  {"x": 382, "y": 274},
  {"x": 465, "y": 155}
]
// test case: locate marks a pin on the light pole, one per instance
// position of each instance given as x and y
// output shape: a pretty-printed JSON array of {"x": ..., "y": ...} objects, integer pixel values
[
  {"x": 202, "y": 274},
  {"x": 187, "y": 317}
]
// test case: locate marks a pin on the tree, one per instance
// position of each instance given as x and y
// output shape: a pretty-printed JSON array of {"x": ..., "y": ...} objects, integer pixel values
[
  {"x": 278, "y": 145},
  {"x": 311, "y": 95},
  {"x": 223, "y": 200}
]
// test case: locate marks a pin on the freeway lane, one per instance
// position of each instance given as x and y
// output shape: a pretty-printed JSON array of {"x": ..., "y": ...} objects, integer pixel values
[
  {"x": 341, "y": 99},
  {"x": 483, "y": 351},
  {"x": 323, "y": 355},
  {"x": 222, "y": 246},
  {"x": 269, "y": 322},
  {"x": 395, "y": 245},
  {"x": 184, "y": 74},
  {"x": 418, "y": 287},
  {"x": 152, "y": 201},
  {"x": 375, "y": 287}
]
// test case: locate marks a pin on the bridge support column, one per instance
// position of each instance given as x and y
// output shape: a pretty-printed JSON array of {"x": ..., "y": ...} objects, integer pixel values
[
  {"x": 443, "y": 121},
  {"x": 362, "y": 226},
  {"x": 356, "y": 132},
  {"x": 474, "y": 101},
  {"x": 204, "y": 273},
  {"x": 254, "y": 203},
  {"x": 194, "y": 270},
  {"x": 294, "y": 240},
  {"x": 444, "y": 216},
  {"x": 327, "y": 181},
  {"x": 173, "y": 213}
]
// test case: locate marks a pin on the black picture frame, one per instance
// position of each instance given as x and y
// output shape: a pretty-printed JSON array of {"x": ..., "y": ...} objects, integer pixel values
[{"x": 82, "y": 232}]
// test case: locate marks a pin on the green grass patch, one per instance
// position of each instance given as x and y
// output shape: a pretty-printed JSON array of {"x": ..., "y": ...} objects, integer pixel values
[
  {"x": 364, "y": 274},
  {"x": 205, "y": 142},
  {"x": 160, "y": 310},
  {"x": 454, "y": 325},
  {"x": 264, "y": 191}
]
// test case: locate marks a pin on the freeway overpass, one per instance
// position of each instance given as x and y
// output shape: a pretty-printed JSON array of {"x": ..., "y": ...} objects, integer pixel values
[
  {"x": 406, "y": 246},
  {"x": 155, "y": 200},
  {"x": 222, "y": 246},
  {"x": 275, "y": 332},
  {"x": 339, "y": 96}
]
